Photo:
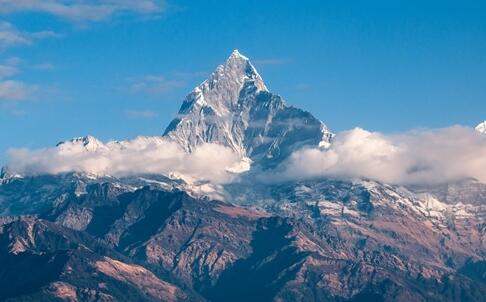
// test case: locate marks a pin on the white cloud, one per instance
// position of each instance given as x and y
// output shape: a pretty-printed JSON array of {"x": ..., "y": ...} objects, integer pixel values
[
  {"x": 143, "y": 155},
  {"x": 83, "y": 11},
  {"x": 417, "y": 157},
  {"x": 13, "y": 91},
  {"x": 12, "y": 37}
]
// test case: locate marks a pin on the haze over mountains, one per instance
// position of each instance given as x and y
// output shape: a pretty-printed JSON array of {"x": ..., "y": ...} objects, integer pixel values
[{"x": 246, "y": 198}]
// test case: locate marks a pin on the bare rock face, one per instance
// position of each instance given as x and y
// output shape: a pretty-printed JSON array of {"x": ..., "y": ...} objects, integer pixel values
[
  {"x": 42, "y": 261},
  {"x": 193, "y": 239}
]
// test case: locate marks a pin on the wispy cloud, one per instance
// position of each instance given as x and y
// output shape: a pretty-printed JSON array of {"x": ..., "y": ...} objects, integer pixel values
[
  {"x": 18, "y": 64},
  {"x": 14, "y": 61},
  {"x": 144, "y": 114},
  {"x": 43, "y": 66},
  {"x": 156, "y": 85},
  {"x": 10, "y": 67},
  {"x": 7, "y": 71},
  {"x": 302, "y": 87},
  {"x": 84, "y": 11},
  {"x": 190, "y": 75},
  {"x": 12, "y": 37},
  {"x": 14, "y": 91},
  {"x": 271, "y": 61}
]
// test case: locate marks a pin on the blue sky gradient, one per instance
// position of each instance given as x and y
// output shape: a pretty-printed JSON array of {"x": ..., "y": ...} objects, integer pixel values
[{"x": 387, "y": 66}]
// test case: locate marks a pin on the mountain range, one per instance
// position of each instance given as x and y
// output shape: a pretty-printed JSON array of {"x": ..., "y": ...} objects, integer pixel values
[{"x": 86, "y": 231}]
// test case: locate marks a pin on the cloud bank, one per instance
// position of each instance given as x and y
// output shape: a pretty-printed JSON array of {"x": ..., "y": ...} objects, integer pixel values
[
  {"x": 416, "y": 157},
  {"x": 143, "y": 155}
]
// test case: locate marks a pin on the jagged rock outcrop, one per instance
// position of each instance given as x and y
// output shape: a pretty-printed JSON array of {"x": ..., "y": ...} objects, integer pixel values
[{"x": 42, "y": 261}]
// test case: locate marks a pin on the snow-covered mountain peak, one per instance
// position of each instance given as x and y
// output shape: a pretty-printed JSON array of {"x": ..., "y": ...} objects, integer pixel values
[
  {"x": 222, "y": 89},
  {"x": 481, "y": 127},
  {"x": 237, "y": 54},
  {"x": 234, "y": 108},
  {"x": 239, "y": 67}
]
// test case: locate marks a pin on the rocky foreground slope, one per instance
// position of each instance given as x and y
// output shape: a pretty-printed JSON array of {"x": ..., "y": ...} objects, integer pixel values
[
  {"x": 359, "y": 241},
  {"x": 84, "y": 237}
]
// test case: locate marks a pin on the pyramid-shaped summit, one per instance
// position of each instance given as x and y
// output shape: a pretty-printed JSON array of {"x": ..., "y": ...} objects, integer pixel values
[{"x": 233, "y": 107}]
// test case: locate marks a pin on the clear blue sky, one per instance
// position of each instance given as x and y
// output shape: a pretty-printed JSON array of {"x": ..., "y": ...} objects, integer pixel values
[{"x": 119, "y": 70}]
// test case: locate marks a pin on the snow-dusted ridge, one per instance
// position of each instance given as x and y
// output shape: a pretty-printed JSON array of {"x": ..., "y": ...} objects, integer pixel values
[{"x": 92, "y": 144}]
